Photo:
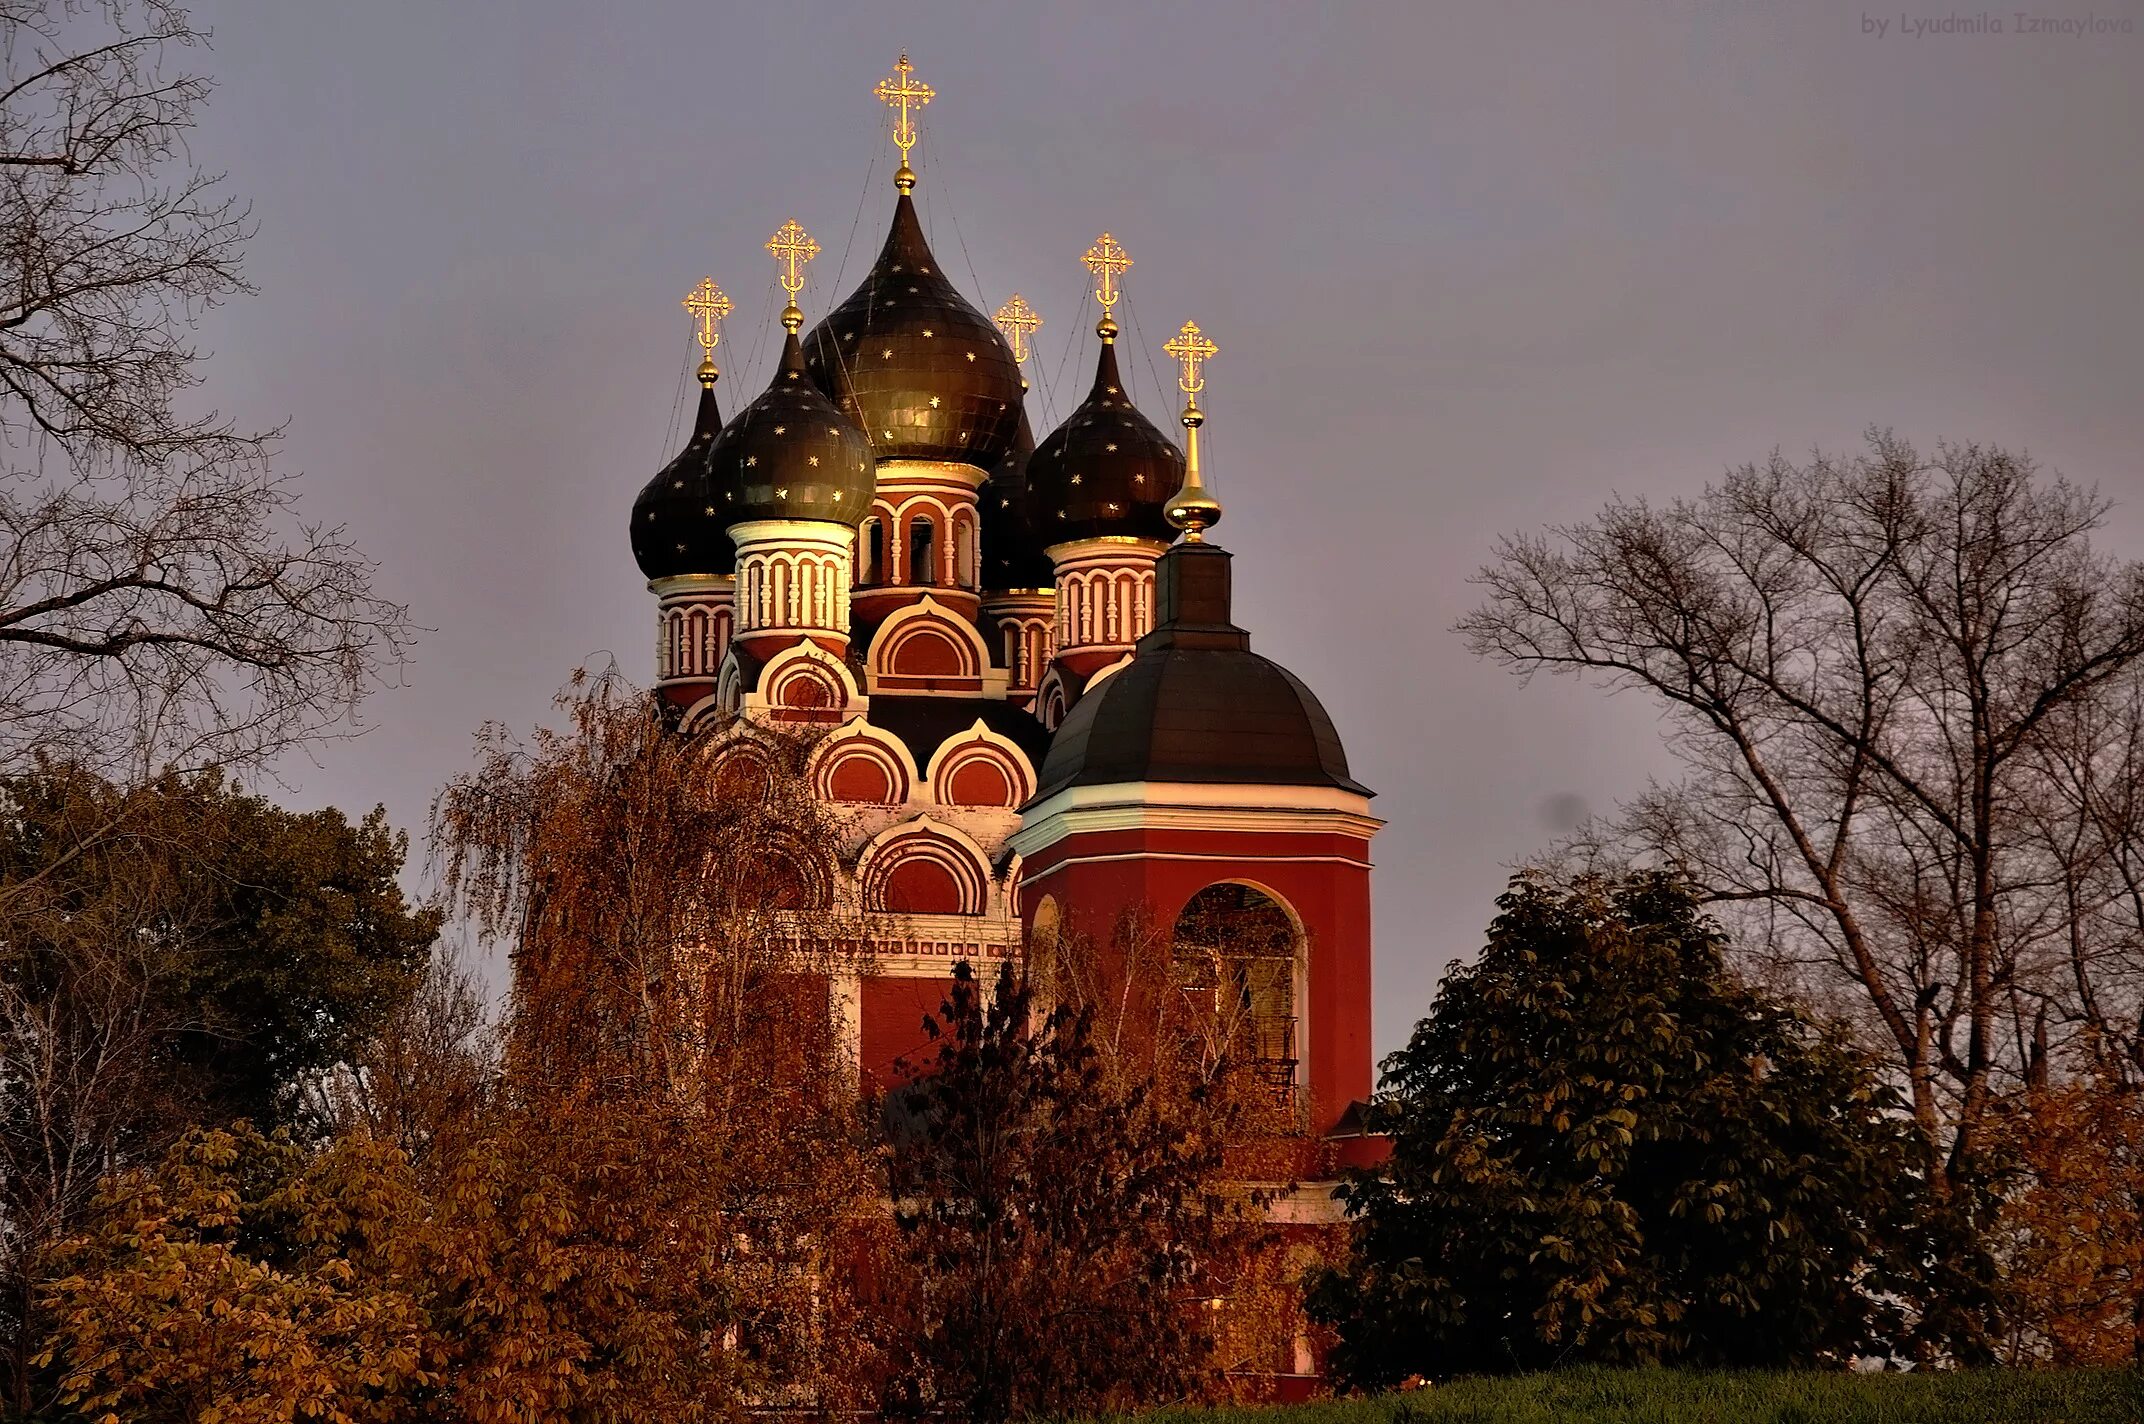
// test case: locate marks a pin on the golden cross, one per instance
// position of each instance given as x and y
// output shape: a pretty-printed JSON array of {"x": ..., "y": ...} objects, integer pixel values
[
  {"x": 792, "y": 247},
  {"x": 896, "y": 92},
  {"x": 708, "y": 305},
  {"x": 1018, "y": 321},
  {"x": 1107, "y": 261},
  {"x": 1192, "y": 349}
]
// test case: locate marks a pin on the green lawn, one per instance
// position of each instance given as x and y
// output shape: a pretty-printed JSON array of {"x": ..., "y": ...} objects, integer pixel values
[{"x": 1589, "y": 1396}]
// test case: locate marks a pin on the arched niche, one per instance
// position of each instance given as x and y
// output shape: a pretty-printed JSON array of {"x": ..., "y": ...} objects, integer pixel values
[{"x": 923, "y": 868}]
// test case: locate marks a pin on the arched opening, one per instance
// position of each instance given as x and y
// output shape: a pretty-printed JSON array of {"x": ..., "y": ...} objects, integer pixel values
[
  {"x": 964, "y": 550},
  {"x": 922, "y": 550},
  {"x": 871, "y": 550},
  {"x": 1042, "y": 962},
  {"x": 1235, "y": 949}
]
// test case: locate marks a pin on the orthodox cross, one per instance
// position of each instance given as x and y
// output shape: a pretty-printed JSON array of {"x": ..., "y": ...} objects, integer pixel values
[
  {"x": 1108, "y": 262},
  {"x": 1191, "y": 348},
  {"x": 1018, "y": 321},
  {"x": 792, "y": 247},
  {"x": 897, "y": 92},
  {"x": 708, "y": 305}
]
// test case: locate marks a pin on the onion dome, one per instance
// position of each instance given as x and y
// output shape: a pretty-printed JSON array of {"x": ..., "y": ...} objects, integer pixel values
[
  {"x": 1195, "y": 703},
  {"x": 679, "y": 527},
  {"x": 790, "y": 454},
  {"x": 1012, "y": 555},
  {"x": 926, "y": 374},
  {"x": 1106, "y": 470}
]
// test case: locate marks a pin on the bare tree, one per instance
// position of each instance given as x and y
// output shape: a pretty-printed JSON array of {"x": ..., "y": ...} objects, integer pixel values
[
  {"x": 1906, "y": 693},
  {"x": 161, "y": 602}
]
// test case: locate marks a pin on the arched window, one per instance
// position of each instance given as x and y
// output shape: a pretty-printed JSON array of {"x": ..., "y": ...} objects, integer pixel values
[
  {"x": 964, "y": 551},
  {"x": 1043, "y": 966},
  {"x": 872, "y": 552},
  {"x": 922, "y": 551},
  {"x": 1235, "y": 952}
]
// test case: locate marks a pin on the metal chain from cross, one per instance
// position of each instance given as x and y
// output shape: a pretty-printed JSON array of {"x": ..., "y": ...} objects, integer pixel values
[
  {"x": 1018, "y": 321},
  {"x": 1108, "y": 262},
  {"x": 1192, "y": 349}
]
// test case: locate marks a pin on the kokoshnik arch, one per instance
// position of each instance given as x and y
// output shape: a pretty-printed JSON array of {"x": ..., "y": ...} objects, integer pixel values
[{"x": 1015, "y": 663}]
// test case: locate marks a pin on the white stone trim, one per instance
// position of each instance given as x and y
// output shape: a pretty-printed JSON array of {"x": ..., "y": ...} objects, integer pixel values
[{"x": 1194, "y": 806}]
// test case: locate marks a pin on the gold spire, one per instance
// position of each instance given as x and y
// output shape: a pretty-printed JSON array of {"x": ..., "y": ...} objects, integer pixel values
[
  {"x": 792, "y": 247},
  {"x": 1018, "y": 321},
  {"x": 1108, "y": 262},
  {"x": 708, "y": 305},
  {"x": 1192, "y": 509},
  {"x": 898, "y": 93}
]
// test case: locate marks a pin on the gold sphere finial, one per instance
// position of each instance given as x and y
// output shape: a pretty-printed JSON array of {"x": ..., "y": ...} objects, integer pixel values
[
  {"x": 901, "y": 92},
  {"x": 1192, "y": 509},
  {"x": 792, "y": 248},
  {"x": 708, "y": 306}
]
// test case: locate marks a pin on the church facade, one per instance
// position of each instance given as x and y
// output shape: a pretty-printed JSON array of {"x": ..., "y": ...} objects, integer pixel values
[{"x": 1016, "y": 664}]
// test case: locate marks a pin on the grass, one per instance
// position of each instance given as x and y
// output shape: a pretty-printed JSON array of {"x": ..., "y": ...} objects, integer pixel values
[{"x": 1593, "y": 1396}]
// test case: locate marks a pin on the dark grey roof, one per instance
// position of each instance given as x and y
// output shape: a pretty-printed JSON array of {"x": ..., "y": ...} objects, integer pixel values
[
  {"x": 679, "y": 525},
  {"x": 1196, "y": 704},
  {"x": 791, "y": 455},
  {"x": 923, "y": 723},
  {"x": 1106, "y": 471},
  {"x": 926, "y": 374}
]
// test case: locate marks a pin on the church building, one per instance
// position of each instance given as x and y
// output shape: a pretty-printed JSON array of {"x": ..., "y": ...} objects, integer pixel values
[{"x": 1028, "y": 702}]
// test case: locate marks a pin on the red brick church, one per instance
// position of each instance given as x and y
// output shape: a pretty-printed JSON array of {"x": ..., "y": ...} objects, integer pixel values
[{"x": 1017, "y": 660}]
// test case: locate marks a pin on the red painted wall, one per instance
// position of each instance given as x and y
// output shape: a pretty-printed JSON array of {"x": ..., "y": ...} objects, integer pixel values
[
  {"x": 892, "y": 1028},
  {"x": 1324, "y": 878}
]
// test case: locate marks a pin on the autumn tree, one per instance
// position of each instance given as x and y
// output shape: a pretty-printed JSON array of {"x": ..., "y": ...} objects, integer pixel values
[
  {"x": 1906, "y": 692},
  {"x": 1606, "y": 1148},
  {"x": 658, "y": 1217},
  {"x": 172, "y": 953},
  {"x": 2073, "y": 1232},
  {"x": 1063, "y": 1235},
  {"x": 245, "y": 1279}
]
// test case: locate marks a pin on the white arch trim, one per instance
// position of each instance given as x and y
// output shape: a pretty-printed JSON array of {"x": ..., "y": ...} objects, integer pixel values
[
  {"x": 847, "y": 735},
  {"x": 964, "y": 746}
]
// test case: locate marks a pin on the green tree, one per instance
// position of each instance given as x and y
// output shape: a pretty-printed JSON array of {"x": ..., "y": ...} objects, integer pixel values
[
  {"x": 170, "y": 954},
  {"x": 1061, "y": 1235},
  {"x": 1607, "y": 1149}
]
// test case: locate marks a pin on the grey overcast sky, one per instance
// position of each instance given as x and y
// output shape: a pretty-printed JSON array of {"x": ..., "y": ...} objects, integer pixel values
[{"x": 1472, "y": 268}]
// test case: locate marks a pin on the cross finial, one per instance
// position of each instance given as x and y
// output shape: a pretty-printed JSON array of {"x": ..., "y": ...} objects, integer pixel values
[
  {"x": 1193, "y": 508},
  {"x": 897, "y": 91},
  {"x": 1108, "y": 262},
  {"x": 1192, "y": 349},
  {"x": 792, "y": 247},
  {"x": 1018, "y": 321},
  {"x": 708, "y": 305}
]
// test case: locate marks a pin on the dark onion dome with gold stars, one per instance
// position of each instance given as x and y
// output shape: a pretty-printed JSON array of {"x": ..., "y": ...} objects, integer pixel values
[
  {"x": 1106, "y": 471},
  {"x": 791, "y": 455},
  {"x": 1195, "y": 703},
  {"x": 1012, "y": 555},
  {"x": 924, "y": 372},
  {"x": 679, "y": 526}
]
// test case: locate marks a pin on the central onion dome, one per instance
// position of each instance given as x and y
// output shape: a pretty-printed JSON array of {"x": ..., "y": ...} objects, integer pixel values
[
  {"x": 678, "y": 526},
  {"x": 791, "y": 455},
  {"x": 926, "y": 374},
  {"x": 1012, "y": 555},
  {"x": 1106, "y": 471}
]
